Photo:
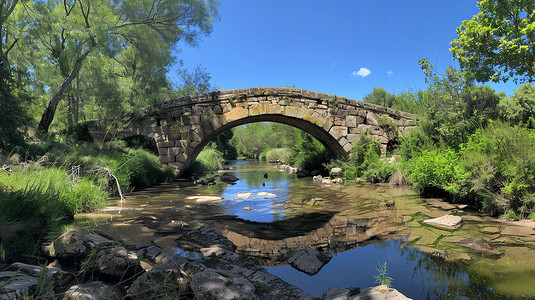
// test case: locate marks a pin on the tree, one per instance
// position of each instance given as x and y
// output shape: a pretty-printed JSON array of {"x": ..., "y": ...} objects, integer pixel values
[
  {"x": 380, "y": 96},
  {"x": 11, "y": 92},
  {"x": 499, "y": 42},
  {"x": 519, "y": 109},
  {"x": 136, "y": 35}
]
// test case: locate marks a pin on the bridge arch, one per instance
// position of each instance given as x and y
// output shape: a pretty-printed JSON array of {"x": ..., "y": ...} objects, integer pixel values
[{"x": 182, "y": 127}]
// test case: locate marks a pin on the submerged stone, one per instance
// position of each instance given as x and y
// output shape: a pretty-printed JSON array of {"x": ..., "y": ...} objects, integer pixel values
[
  {"x": 446, "y": 221},
  {"x": 309, "y": 261}
]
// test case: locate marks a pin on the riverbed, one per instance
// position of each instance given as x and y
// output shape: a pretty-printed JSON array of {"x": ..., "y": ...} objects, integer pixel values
[{"x": 269, "y": 214}]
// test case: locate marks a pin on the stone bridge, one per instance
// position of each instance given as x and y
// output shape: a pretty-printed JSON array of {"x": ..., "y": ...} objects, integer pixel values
[{"x": 182, "y": 127}]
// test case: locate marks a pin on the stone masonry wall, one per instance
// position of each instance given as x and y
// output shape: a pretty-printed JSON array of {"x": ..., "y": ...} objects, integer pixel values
[{"x": 182, "y": 127}]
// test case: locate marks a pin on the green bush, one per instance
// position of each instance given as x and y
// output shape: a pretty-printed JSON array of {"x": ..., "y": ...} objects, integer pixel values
[
  {"x": 284, "y": 154},
  {"x": 211, "y": 158}
]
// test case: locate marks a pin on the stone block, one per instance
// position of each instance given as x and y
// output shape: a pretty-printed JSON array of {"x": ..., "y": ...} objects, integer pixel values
[
  {"x": 348, "y": 147},
  {"x": 176, "y": 151},
  {"x": 166, "y": 159},
  {"x": 327, "y": 125},
  {"x": 165, "y": 144},
  {"x": 338, "y": 131},
  {"x": 181, "y": 143},
  {"x": 190, "y": 151},
  {"x": 235, "y": 114},
  {"x": 353, "y": 137},
  {"x": 256, "y": 110},
  {"x": 274, "y": 109},
  {"x": 343, "y": 141},
  {"x": 163, "y": 151},
  {"x": 182, "y": 158},
  {"x": 371, "y": 119}
]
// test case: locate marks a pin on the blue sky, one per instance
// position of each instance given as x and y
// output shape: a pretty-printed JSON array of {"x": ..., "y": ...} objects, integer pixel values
[{"x": 343, "y": 47}]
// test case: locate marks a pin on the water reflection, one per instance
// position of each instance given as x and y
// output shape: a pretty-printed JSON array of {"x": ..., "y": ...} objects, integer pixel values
[{"x": 361, "y": 226}]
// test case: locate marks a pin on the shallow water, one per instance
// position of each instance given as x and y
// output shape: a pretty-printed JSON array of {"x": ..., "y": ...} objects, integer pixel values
[{"x": 362, "y": 225}]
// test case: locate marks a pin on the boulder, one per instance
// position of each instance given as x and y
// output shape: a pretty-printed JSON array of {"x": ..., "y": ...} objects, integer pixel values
[
  {"x": 336, "y": 171},
  {"x": 168, "y": 283},
  {"x": 116, "y": 261},
  {"x": 229, "y": 178},
  {"x": 337, "y": 181},
  {"x": 446, "y": 221},
  {"x": 14, "y": 284},
  {"x": 73, "y": 244},
  {"x": 309, "y": 261},
  {"x": 95, "y": 290},
  {"x": 244, "y": 196},
  {"x": 209, "y": 284},
  {"x": 204, "y": 181},
  {"x": 53, "y": 274},
  {"x": 381, "y": 292}
]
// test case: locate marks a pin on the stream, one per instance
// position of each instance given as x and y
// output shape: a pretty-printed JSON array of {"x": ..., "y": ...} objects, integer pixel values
[{"x": 269, "y": 214}]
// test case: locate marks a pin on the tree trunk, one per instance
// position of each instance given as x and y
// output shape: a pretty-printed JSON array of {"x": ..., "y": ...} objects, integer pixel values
[{"x": 48, "y": 115}]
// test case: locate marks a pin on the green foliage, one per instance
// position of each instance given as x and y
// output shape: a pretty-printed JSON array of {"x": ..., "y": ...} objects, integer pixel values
[
  {"x": 520, "y": 108},
  {"x": 364, "y": 161},
  {"x": 284, "y": 154},
  {"x": 310, "y": 154},
  {"x": 383, "y": 278},
  {"x": 211, "y": 158},
  {"x": 134, "y": 168},
  {"x": 437, "y": 169},
  {"x": 498, "y": 42},
  {"x": 30, "y": 210},
  {"x": 494, "y": 170}
]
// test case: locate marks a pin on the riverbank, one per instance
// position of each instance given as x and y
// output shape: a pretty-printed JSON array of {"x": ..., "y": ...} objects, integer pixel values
[{"x": 94, "y": 267}]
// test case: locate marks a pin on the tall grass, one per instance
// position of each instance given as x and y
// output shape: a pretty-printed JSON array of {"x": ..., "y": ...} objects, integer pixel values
[
  {"x": 134, "y": 168},
  {"x": 210, "y": 158},
  {"x": 36, "y": 202},
  {"x": 284, "y": 154}
]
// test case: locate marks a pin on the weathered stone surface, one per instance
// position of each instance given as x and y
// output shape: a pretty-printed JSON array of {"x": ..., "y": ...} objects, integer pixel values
[
  {"x": 73, "y": 244},
  {"x": 55, "y": 274},
  {"x": 157, "y": 283},
  {"x": 337, "y": 294},
  {"x": 116, "y": 261},
  {"x": 204, "y": 237},
  {"x": 309, "y": 261},
  {"x": 479, "y": 245},
  {"x": 95, "y": 290},
  {"x": 336, "y": 171},
  {"x": 381, "y": 292},
  {"x": 337, "y": 122},
  {"x": 209, "y": 284},
  {"x": 14, "y": 284},
  {"x": 446, "y": 221},
  {"x": 228, "y": 178}
]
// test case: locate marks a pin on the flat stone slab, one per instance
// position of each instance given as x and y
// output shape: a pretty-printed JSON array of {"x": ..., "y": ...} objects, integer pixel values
[
  {"x": 309, "y": 261},
  {"x": 381, "y": 292},
  {"x": 446, "y": 221}
]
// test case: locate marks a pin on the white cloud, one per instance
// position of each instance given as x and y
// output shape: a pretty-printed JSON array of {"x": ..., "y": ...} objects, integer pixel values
[
  {"x": 390, "y": 73},
  {"x": 362, "y": 72}
]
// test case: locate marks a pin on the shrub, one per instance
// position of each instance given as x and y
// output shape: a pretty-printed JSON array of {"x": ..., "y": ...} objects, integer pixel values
[
  {"x": 211, "y": 158},
  {"x": 284, "y": 154}
]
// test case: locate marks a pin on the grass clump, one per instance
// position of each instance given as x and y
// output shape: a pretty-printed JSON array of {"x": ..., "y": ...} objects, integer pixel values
[
  {"x": 284, "y": 154},
  {"x": 211, "y": 158}
]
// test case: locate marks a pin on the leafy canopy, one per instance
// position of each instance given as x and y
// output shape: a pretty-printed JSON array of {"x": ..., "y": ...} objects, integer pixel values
[{"x": 499, "y": 42}]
